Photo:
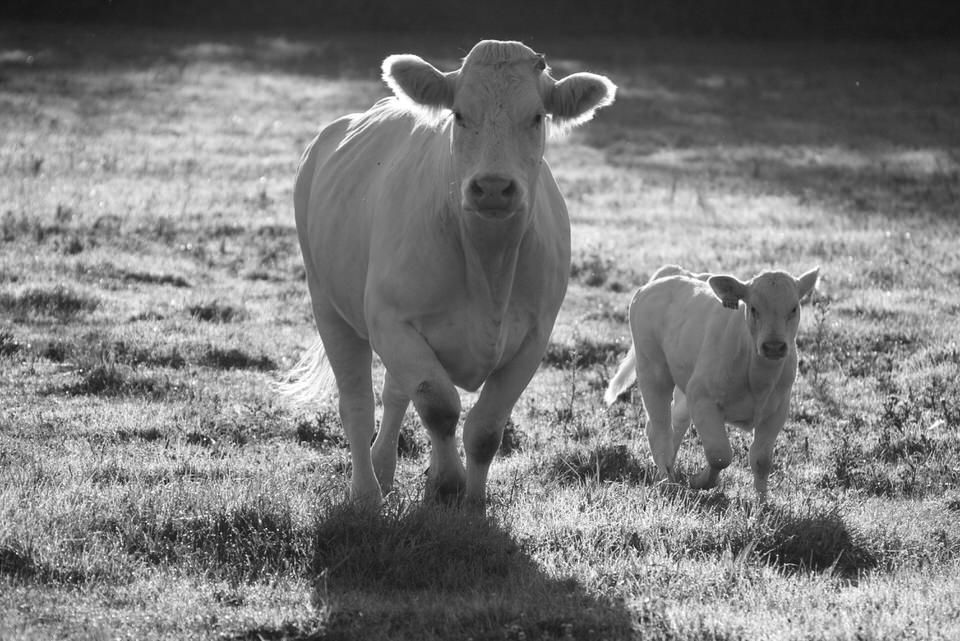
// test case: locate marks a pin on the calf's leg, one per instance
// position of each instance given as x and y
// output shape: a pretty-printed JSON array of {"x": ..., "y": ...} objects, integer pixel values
[
  {"x": 761, "y": 450},
  {"x": 716, "y": 445}
]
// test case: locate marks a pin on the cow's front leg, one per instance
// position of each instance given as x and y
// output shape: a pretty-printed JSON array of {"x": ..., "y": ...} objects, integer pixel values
[
  {"x": 761, "y": 450},
  {"x": 483, "y": 428},
  {"x": 716, "y": 445},
  {"x": 421, "y": 378}
]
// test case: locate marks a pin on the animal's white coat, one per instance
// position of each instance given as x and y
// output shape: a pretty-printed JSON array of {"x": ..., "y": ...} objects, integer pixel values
[
  {"x": 731, "y": 360},
  {"x": 434, "y": 234}
]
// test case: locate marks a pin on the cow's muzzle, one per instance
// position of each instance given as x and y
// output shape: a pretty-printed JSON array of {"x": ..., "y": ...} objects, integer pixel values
[
  {"x": 774, "y": 350},
  {"x": 493, "y": 195}
]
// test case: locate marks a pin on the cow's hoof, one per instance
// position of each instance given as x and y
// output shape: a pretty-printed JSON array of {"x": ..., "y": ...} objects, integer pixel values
[{"x": 447, "y": 492}]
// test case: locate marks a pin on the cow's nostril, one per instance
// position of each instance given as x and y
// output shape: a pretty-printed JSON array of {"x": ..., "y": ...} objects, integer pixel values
[
  {"x": 510, "y": 189},
  {"x": 475, "y": 188}
]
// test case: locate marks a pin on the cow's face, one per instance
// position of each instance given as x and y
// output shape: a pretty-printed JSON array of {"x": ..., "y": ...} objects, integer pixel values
[
  {"x": 771, "y": 306},
  {"x": 499, "y": 103}
]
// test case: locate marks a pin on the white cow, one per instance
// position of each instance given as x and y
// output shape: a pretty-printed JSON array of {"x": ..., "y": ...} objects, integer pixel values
[
  {"x": 719, "y": 366},
  {"x": 434, "y": 234}
]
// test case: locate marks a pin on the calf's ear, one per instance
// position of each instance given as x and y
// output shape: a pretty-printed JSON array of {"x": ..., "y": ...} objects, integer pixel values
[
  {"x": 807, "y": 281},
  {"x": 729, "y": 290},
  {"x": 412, "y": 78},
  {"x": 574, "y": 99}
]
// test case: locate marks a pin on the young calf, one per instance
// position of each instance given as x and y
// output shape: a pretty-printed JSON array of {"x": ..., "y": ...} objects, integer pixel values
[{"x": 718, "y": 364}]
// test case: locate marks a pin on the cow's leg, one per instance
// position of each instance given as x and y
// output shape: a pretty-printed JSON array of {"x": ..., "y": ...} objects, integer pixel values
[
  {"x": 681, "y": 419},
  {"x": 656, "y": 390},
  {"x": 761, "y": 450},
  {"x": 716, "y": 446},
  {"x": 350, "y": 359},
  {"x": 421, "y": 377},
  {"x": 384, "y": 450},
  {"x": 483, "y": 428}
]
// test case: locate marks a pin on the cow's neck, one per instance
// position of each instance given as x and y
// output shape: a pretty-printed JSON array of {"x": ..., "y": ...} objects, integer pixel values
[
  {"x": 763, "y": 376},
  {"x": 490, "y": 251}
]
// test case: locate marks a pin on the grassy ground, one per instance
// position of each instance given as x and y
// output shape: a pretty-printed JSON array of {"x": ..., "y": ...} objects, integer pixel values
[{"x": 152, "y": 486}]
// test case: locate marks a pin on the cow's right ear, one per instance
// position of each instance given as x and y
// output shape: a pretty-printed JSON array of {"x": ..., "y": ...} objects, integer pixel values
[
  {"x": 414, "y": 79},
  {"x": 729, "y": 290}
]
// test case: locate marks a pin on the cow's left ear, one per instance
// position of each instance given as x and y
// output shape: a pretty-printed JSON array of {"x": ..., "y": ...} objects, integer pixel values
[
  {"x": 413, "y": 78},
  {"x": 729, "y": 290},
  {"x": 574, "y": 99},
  {"x": 807, "y": 281}
]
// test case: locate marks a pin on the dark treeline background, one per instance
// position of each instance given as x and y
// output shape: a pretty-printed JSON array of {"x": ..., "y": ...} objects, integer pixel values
[{"x": 738, "y": 18}]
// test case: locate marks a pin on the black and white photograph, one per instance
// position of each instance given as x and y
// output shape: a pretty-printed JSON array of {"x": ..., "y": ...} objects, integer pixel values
[{"x": 624, "y": 320}]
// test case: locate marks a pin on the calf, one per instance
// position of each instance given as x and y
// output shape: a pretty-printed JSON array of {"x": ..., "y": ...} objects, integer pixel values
[{"x": 730, "y": 363}]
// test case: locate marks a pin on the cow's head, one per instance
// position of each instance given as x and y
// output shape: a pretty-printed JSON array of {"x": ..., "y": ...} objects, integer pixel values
[
  {"x": 771, "y": 305},
  {"x": 500, "y": 101}
]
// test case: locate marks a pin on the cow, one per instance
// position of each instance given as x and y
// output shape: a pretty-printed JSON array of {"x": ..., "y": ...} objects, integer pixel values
[
  {"x": 727, "y": 361},
  {"x": 434, "y": 234}
]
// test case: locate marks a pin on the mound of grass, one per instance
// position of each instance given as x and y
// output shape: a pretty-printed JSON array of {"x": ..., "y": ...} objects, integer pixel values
[
  {"x": 156, "y": 279},
  {"x": 217, "y": 312},
  {"x": 322, "y": 431},
  {"x": 110, "y": 379},
  {"x": 60, "y": 302},
  {"x": 9, "y": 345},
  {"x": 584, "y": 353},
  {"x": 234, "y": 358},
  {"x": 19, "y": 563},
  {"x": 601, "y": 464},
  {"x": 514, "y": 439}
]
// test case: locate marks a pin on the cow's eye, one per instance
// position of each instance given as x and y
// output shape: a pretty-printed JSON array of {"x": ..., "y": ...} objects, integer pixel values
[
  {"x": 753, "y": 312},
  {"x": 793, "y": 312},
  {"x": 458, "y": 118},
  {"x": 538, "y": 120}
]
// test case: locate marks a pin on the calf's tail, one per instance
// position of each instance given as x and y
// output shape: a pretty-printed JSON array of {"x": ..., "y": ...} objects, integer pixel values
[
  {"x": 623, "y": 379},
  {"x": 310, "y": 380}
]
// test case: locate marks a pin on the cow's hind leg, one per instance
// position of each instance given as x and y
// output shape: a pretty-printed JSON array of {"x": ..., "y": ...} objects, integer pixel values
[
  {"x": 350, "y": 359},
  {"x": 384, "y": 451},
  {"x": 656, "y": 390}
]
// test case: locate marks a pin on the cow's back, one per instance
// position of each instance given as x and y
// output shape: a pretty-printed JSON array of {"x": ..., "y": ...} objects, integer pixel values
[
  {"x": 680, "y": 317},
  {"x": 360, "y": 175}
]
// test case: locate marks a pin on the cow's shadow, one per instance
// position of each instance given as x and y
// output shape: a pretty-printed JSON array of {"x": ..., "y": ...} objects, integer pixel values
[{"x": 416, "y": 570}]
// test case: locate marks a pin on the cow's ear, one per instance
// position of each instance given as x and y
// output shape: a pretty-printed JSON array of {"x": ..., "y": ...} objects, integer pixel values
[
  {"x": 574, "y": 99},
  {"x": 414, "y": 79},
  {"x": 807, "y": 282},
  {"x": 729, "y": 290}
]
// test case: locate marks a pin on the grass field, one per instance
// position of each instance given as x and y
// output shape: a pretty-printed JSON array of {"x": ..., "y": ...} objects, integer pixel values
[{"x": 152, "y": 485}]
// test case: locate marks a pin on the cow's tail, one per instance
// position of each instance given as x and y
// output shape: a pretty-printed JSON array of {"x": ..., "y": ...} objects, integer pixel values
[
  {"x": 623, "y": 379},
  {"x": 310, "y": 380}
]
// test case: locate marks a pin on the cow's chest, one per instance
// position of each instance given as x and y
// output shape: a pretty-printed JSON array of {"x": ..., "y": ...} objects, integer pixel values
[{"x": 470, "y": 342}]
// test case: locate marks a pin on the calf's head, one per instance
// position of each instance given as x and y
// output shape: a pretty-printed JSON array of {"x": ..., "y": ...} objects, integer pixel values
[
  {"x": 771, "y": 307},
  {"x": 499, "y": 103}
]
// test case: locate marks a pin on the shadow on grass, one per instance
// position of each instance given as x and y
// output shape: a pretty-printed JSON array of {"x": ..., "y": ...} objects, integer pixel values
[
  {"x": 602, "y": 463},
  {"x": 423, "y": 572}
]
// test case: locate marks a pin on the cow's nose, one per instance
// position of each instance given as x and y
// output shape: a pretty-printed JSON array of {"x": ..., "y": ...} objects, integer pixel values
[
  {"x": 493, "y": 192},
  {"x": 774, "y": 349}
]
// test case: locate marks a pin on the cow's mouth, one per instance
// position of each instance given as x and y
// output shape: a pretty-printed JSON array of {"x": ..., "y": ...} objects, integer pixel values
[{"x": 494, "y": 214}]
